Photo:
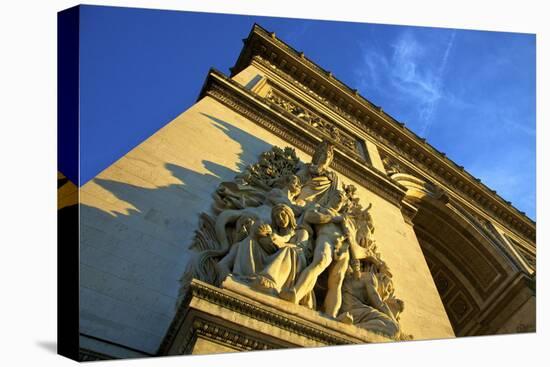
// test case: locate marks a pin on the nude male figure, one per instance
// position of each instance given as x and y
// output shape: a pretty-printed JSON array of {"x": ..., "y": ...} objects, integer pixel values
[{"x": 329, "y": 251}]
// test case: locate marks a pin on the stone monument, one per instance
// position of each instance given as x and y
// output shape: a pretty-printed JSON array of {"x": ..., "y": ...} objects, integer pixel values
[
  {"x": 285, "y": 210},
  {"x": 285, "y": 243}
]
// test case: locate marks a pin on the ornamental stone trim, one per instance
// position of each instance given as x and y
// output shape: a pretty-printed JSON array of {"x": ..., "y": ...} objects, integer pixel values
[{"x": 212, "y": 295}]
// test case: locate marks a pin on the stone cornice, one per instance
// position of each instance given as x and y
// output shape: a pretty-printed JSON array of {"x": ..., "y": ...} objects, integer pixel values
[
  {"x": 288, "y": 127},
  {"x": 202, "y": 324},
  {"x": 393, "y": 137},
  {"x": 224, "y": 335},
  {"x": 223, "y": 298}
]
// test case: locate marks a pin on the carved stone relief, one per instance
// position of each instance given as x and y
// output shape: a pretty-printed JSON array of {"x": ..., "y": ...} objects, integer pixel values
[
  {"x": 312, "y": 93},
  {"x": 392, "y": 167},
  {"x": 313, "y": 120},
  {"x": 280, "y": 224}
]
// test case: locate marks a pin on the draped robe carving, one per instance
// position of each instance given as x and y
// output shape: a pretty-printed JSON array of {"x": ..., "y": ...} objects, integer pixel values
[{"x": 280, "y": 224}]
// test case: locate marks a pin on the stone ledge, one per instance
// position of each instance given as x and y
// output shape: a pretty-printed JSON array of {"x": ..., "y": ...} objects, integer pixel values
[{"x": 237, "y": 318}]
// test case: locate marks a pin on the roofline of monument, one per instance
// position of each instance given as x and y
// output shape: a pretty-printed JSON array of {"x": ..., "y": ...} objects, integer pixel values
[{"x": 267, "y": 38}]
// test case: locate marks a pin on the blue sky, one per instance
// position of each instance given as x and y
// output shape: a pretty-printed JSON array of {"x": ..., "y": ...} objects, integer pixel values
[{"x": 471, "y": 94}]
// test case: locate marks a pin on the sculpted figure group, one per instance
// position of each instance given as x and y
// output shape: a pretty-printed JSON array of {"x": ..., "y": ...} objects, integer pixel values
[{"x": 287, "y": 229}]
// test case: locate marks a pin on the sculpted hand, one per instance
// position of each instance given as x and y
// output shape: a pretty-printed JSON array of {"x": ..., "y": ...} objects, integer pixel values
[
  {"x": 265, "y": 238},
  {"x": 263, "y": 230},
  {"x": 279, "y": 243},
  {"x": 372, "y": 280}
]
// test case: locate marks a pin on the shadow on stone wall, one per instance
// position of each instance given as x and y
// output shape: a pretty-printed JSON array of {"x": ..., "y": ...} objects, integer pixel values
[{"x": 131, "y": 262}]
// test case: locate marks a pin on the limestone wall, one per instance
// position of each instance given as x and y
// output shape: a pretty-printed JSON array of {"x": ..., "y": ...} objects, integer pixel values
[
  {"x": 139, "y": 215},
  {"x": 424, "y": 314}
]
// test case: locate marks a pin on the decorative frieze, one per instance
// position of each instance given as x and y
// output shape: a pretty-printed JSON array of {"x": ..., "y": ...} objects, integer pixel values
[
  {"x": 221, "y": 298},
  {"x": 209, "y": 330},
  {"x": 216, "y": 315},
  {"x": 325, "y": 127}
]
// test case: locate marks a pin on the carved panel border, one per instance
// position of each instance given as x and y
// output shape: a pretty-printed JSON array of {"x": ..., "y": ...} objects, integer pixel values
[
  {"x": 317, "y": 121},
  {"x": 223, "y": 335},
  {"x": 214, "y": 296}
]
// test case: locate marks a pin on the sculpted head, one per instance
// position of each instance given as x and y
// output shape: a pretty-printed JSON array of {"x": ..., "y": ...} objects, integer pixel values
[
  {"x": 282, "y": 217},
  {"x": 322, "y": 158},
  {"x": 294, "y": 184}
]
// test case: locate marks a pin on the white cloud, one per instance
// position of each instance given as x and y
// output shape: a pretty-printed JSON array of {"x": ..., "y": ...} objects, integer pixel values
[
  {"x": 413, "y": 70},
  {"x": 493, "y": 136}
]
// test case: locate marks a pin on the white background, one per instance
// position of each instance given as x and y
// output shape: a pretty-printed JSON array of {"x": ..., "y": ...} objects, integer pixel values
[{"x": 28, "y": 182}]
